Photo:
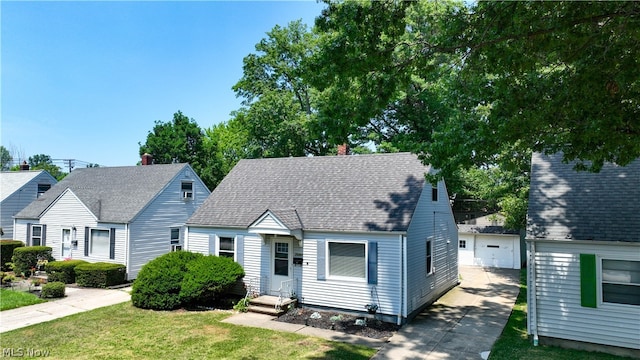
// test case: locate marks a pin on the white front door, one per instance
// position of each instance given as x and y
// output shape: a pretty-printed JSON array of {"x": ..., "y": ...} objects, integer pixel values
[
  {"x": 66, "y": 243},
  {"x": 281, "y": 268}
]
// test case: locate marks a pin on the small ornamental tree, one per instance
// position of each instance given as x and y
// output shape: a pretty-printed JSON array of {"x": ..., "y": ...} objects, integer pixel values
[
  {"x": 27, "y": 258},
  {"x": 159, "y": 282},
  {"x": 208, "y": 277}
]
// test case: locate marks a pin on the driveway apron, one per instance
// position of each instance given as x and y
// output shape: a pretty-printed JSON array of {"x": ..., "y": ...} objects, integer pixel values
[{"x": 464, "y": 323}]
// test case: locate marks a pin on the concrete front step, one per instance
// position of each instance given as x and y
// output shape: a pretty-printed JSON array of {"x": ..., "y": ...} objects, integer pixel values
[{"x": 266, "y": 304}]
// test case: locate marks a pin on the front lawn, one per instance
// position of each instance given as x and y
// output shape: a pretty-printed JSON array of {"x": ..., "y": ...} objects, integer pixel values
[
  {"x": 514, "y": 342},
  {"x": 10, "y": 299},
  {"x": 125, "y": 332}
]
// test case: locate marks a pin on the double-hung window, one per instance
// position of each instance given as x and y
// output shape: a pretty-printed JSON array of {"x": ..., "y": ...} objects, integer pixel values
[
  {"x": 187, "y": 190},
  {"x": 42, "y": 188},
  {"x": 100, "y": 243},
  {"x": 36, "y": 235},
  {"x": 175, "y": 239},
  {"x": 621, "y": 282},
  {"x": 347, "y": 260},
  {"x": 226, "y": 247}
]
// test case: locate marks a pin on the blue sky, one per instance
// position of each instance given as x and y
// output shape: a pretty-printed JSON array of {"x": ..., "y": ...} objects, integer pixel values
[{"x": 87, "y": 80}]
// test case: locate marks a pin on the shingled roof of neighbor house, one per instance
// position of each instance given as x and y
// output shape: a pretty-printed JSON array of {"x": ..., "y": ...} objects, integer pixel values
[
  {"x": 377, "y": 192},
  {"x": 12, "y": 181},
  {"x": 565, "y": 204},
  {"x": 112, "y": 194}
]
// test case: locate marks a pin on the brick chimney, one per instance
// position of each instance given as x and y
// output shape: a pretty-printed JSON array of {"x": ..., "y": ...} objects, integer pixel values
[
  {"x": 344, "y": 149},
  {"x": 24, "y": 166},
  {"x": 147, "y": 159}
]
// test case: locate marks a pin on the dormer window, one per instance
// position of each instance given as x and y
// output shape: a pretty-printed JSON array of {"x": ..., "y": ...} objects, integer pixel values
[
  {"x": 187, "y": 190},
  {"x": 42, "y": 188}
]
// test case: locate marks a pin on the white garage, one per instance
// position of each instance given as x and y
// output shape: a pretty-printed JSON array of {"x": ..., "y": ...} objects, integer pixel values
[{"x": 488, "y": 246}]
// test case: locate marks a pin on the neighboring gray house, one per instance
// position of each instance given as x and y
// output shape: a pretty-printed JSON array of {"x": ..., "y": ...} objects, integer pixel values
[
  {"x": 337, "y": 231},
  {"x": 485, "y": 242},
  {"x": 583, "y": 236},
  {"x": 17, "y": 190},
  {"x": 126, "y": 215}
]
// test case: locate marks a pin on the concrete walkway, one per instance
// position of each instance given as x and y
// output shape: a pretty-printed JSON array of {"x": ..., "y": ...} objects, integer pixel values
[
  {"x": 76, "y": 300},
  {"x": 464, "y": 323}
]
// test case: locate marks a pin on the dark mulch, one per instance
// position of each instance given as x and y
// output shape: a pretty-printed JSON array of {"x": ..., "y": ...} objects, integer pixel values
[{"x": 342, "y": 322}]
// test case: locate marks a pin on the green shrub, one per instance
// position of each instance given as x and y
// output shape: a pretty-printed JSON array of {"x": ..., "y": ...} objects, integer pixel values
[
  {"x": 53, "y": 290},
  {"x": 26, "y": 258},
  {"x": 100, "y": 274},
  {"x": 63, "y": 271},
  {"x": 6, "y": 252},
  {"x": 207, "y": 278},
  {"x": 158, "y": 283}
]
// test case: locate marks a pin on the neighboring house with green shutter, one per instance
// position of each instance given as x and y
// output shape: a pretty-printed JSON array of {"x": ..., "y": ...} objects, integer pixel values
[
  {"x": 126, "y": 215},
  {"x": 335, "y": 231},
  {"x": 583, "y": 237}
]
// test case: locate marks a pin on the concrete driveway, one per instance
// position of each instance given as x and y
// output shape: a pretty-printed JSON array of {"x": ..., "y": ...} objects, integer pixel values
[{"x": 464, "y": 323}]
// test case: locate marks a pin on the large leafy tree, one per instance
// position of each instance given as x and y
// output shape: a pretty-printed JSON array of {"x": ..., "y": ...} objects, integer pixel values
[
  {"x": 278, "y": 111},
  {"x": 44, "y": 162},
  {"x": 478, "y": 87},
  {"x": 5, "y": 159},
  {"x": 179, "y": 141}
]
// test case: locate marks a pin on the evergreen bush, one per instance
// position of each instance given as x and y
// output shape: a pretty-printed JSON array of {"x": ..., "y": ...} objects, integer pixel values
[
  {"x": 207, "y": 278},
  {"x": 159, "y": 282},
  {"x": 53, "y": 290},
  {"x": 26, "y": 258},
  {"x": 63, "y": 271},
  {"x": 6, "y": 252},
  {"x": 100, "y": 274}
]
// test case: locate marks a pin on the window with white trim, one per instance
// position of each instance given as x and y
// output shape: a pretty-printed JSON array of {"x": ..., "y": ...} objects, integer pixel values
[
  {"x": 429, "y": 256},
  {"x": 99, "y": 243},
  {"x": 226, "y": 247},
  {"x": 621, "y": 282},
  {"x": 42, "y": 188},
  {"x": 187, "y": 190},
  {"x": 175, "y": 239},
  {"x": 347, "y": 260},
  {"x": 462, "y": 244},
  {"x": 36, "y": 235}
]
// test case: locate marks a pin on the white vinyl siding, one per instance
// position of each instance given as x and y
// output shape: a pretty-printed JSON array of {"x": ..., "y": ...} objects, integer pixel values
[
  {"x": 432, "y": 220},
  {"x": 148, "y": 231},
  {"x": 559, "y": 311}
]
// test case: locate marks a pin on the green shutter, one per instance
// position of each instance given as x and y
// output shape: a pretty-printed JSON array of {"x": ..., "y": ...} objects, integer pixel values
[{"x": 588, "y": 280}]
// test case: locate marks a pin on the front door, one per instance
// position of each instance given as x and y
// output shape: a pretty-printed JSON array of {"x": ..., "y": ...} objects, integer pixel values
[
  {"x": 66, "y": 243},
  {"x": 281, "y": 269}
]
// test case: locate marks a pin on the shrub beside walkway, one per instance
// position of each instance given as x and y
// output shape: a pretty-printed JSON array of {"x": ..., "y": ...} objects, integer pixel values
[{"x": 76, "y": 301}]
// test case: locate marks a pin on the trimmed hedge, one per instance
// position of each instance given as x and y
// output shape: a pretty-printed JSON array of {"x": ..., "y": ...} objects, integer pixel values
[
  {"x": 207, "y": 278},
  {"x": 100, "y": 274},
  {"x": 63, "y": 271},
  {"x": 53, "y": 290},
  {"x": 6, "y": 252},
  {"x": 25, "y": 258},
  {"x": 159, "y": 282}
]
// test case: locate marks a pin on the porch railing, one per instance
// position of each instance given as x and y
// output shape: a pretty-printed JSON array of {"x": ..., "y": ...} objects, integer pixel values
[
  {"x": 253, "y": 286},
  {"x": 286, "y": 291}
]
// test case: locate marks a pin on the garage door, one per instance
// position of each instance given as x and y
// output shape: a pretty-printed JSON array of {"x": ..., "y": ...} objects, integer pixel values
[{"x": 494, "y": 253}]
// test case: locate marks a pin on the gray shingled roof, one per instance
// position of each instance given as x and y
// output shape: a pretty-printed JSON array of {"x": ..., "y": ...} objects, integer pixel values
[
  {"x": 338, "y": 193},
  {"x": 489, "y": 229},
  {"x": 565, "y": 204},
  {"x": 12, "y": 181},
  {"x": 112, "y": 194}
]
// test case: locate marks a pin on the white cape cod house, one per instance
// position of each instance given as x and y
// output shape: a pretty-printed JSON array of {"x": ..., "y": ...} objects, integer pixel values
[
  {"x": 583, "y": 236},
  {"x": 344, "y": 232},
  {"x": 126, "y": 215}
]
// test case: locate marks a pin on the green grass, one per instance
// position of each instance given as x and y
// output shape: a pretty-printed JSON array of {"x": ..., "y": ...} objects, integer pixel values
[
  {"x": 125, "y": 332},
  {"x": 514, "y": 342},
  {"x": 10, "y": 299}
]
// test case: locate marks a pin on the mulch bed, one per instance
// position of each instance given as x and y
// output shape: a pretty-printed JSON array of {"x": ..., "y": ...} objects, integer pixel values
[{"x": 346, "y": 323}]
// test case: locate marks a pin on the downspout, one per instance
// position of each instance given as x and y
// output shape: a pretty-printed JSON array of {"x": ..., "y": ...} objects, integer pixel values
[
  {"x": 532, "y": 301},
  {"x": 127, "y": 261},
  {"x": 403, "y": 280}
]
